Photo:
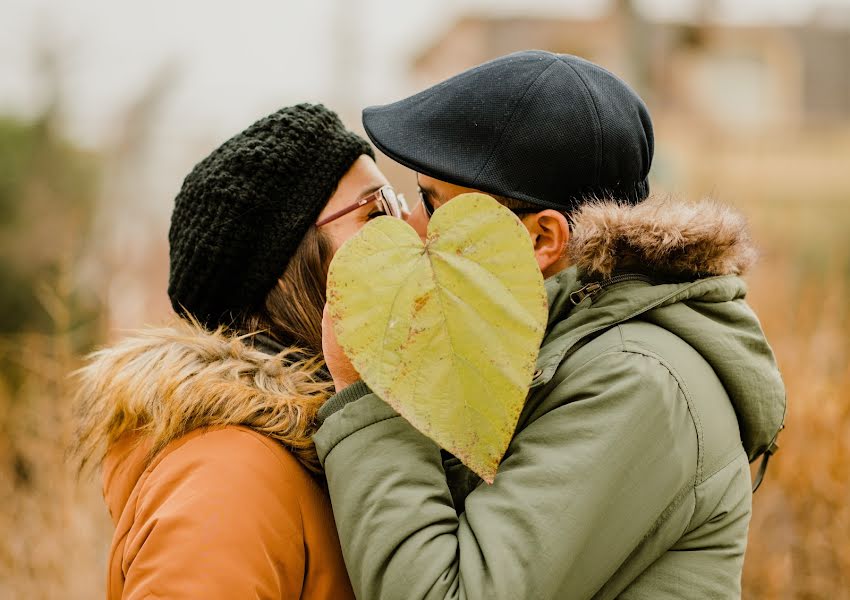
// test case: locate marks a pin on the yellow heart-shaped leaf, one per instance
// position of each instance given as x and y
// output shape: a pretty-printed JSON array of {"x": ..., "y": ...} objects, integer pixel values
[{"x": 446, "y": 332}]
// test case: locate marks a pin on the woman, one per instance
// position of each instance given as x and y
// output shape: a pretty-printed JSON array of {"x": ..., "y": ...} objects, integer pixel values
[{"x": 204, "y": 428}]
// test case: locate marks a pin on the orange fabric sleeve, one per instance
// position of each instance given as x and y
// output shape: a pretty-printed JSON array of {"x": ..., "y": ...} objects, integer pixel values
[{"x": 217, "y": 517}]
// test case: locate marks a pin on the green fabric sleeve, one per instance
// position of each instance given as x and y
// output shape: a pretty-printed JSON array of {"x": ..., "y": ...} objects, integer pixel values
[
  {"x": 578, "y": 490},
  {"x": 336, "y": 402}
]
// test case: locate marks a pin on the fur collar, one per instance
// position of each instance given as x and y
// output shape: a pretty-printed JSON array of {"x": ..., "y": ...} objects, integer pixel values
[
  {"x": 660, "y": 236},
  {"x": 162, "y": 383}
]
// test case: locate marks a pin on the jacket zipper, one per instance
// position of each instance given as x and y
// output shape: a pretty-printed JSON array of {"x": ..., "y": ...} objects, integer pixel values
[{"x": 593, "y": 288}]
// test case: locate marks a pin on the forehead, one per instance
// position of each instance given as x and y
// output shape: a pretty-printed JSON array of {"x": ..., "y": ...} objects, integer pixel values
[{"x": 363, "y": 177}]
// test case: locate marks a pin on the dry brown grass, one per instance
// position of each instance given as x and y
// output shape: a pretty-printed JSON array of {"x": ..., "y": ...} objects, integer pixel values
[
  {"x": 800, "y": 532},
  {"x": 795, "y": 189},
  {"x": 54, "y": 530}
]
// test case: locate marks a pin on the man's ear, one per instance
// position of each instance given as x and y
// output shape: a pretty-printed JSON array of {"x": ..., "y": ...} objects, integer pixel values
[{"x": 550, "y": 233}]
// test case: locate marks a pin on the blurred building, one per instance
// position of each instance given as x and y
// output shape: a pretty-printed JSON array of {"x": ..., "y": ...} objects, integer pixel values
[{"x": 735, "y": 77}]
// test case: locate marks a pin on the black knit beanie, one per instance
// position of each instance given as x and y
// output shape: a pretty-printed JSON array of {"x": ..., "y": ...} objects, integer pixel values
[{"x": 244, "y": 209}]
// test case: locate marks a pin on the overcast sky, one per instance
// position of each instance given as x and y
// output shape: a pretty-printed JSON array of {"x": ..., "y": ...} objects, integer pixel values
[
  {"x": 230, "y": 63},
  {"x": 233, "y": 62}
]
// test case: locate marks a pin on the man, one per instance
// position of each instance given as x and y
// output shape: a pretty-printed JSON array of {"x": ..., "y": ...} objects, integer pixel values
[{"x": 628, "y": 472}]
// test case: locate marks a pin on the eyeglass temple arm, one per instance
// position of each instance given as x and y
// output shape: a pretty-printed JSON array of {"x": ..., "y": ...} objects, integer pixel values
[{"x": 346, "y": 210}]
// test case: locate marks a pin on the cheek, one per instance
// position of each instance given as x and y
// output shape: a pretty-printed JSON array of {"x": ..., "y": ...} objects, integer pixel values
[
  {"x": 418, "y": 220},
  {"x": 342, "y": 232}
]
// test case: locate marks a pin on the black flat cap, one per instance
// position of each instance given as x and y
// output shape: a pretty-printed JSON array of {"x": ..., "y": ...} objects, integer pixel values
[{"x": 551, "y": 129}]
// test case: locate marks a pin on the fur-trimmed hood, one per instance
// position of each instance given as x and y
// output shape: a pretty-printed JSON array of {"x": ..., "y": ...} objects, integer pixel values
[
  {"x": 159, "y": 384},
  {"x": 660, "y": 236},
  {"x": 691, "y": 256}
]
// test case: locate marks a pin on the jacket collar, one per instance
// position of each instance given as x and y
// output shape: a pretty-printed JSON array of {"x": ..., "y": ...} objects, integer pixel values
[
  {"x": 162, "y": 383},
  {"x": 666, "y": 239}
]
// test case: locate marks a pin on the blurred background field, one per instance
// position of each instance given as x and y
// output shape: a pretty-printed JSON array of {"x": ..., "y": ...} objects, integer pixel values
[{"x": 104, "y": 107}]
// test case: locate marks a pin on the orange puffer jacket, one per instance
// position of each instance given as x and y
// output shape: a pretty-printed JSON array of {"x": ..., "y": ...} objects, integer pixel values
[
  {"x": 226, "y": 507},
  {"x": 223, "y": 513}
]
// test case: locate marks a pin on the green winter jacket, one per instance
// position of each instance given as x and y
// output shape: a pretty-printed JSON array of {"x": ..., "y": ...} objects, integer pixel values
[{"x": 628, "y": 474}]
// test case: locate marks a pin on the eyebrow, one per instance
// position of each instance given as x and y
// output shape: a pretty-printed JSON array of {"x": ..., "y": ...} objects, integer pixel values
[{"x": 370, "y": 191}]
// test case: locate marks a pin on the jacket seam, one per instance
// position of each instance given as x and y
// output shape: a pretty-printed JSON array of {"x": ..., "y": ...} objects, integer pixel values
[
  {"x": 554, "y": 382},
  {"x": 689, "y": 488},
  {"x": 738, "y": 456},
  {"x": 554, "y": 361},
  {"x": 677, "y": 501},
  {"x": 683, "y": 388},
  {"x": 507, "y": 126},
  {"x": 691, "y": 525},
  {"x": 598, "y": 166},
  {"x": 615, "y": 347},
  {"x": 622, "y": 346}
]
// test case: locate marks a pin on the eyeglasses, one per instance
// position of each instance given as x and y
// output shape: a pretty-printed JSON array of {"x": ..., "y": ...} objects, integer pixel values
[{"x": 391, "y": 203}]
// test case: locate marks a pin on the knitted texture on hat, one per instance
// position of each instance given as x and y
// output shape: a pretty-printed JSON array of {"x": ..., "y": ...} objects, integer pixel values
[{"x": 243, "y": 210}]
